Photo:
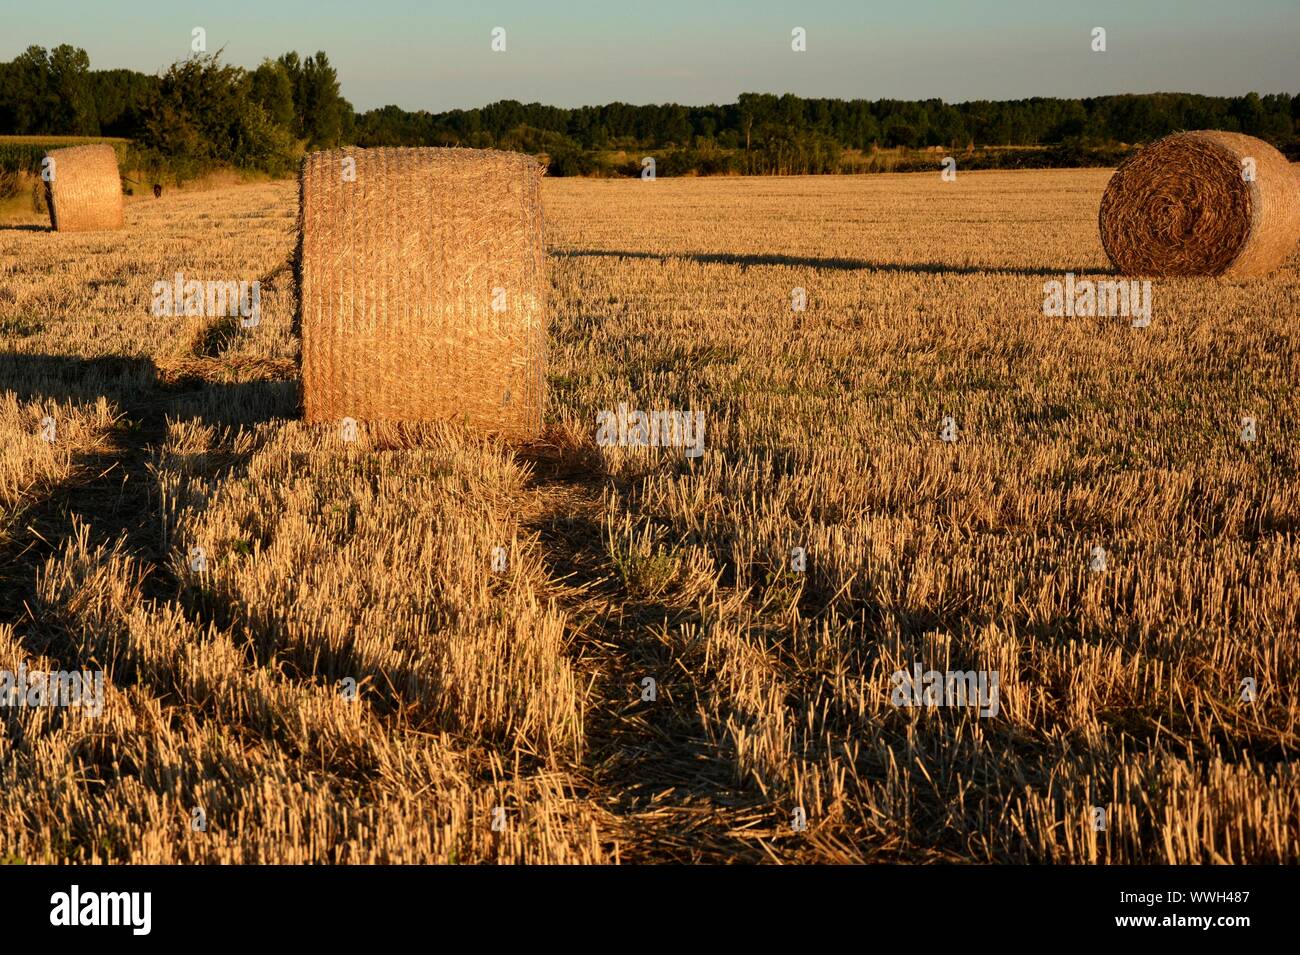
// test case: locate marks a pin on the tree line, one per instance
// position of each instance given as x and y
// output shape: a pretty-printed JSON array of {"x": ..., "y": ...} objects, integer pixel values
[
  {"x": 198, "y": 114},
  {"x": 201, "y": 112},
  {"x": 768, "y": 133}
]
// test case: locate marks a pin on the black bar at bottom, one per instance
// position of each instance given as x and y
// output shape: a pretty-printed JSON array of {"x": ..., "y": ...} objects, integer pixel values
[{"x": 697, "y": 905}]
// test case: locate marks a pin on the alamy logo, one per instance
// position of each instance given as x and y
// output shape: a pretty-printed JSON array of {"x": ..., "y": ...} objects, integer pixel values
[
  {"x": 211, "y": 299},
  {"x": 103, "y": 908},
  {"x": 83, "y": 688},
  {"x": 658, "y": 429},
  {"x": 946, "y": 688},
  {"x": 1108, "y": 298}
]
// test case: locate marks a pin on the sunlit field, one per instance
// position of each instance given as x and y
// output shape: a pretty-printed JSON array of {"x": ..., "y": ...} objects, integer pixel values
[{"x": 427, "y": 645}]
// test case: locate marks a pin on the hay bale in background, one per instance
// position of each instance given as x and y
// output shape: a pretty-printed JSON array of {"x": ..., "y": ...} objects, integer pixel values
[
  {"x": 422, "y": 287},
  {"x": 85, "y": 191},
  {"x": 1182, "y": 206}
]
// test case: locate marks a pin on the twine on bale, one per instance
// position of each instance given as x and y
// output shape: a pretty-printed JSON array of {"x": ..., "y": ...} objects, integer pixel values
[
  {"x": 1187, "y": 205},
  {"x": 422, "y": 285},
  {"x": 84, "y": 191}
]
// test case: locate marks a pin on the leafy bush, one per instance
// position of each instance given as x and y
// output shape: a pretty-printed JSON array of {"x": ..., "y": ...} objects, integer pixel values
[{"x": 204, "y": 115}]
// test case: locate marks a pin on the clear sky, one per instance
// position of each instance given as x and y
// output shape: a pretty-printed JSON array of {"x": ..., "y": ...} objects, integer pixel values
[{"x": 430, "y": 54}]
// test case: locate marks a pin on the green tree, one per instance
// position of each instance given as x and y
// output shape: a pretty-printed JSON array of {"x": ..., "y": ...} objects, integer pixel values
[
  {"x": 50, "y": 92},
  {"x": 272, "y": 89},
  {"x": 322, "y": 114},
  {"x": 75, "y": 111},
  {"x": 203, "y": 114}
]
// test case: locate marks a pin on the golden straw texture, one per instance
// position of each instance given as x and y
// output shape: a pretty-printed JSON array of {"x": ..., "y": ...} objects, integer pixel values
[
  {"x": 84, "y": 193},
  {"x": 1184, "y": 206},
  {"x": 423, "y": 293}
]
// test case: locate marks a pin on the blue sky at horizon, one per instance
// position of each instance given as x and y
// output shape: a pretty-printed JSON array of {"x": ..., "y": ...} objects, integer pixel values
[{"x": 419, "y": 54}]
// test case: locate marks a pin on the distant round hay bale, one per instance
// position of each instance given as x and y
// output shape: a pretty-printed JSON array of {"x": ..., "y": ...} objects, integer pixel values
[
  {"x": 1202, "y": 203},
  {"x": 84, "y": 190},
  {"x": 423, "y": 287}
]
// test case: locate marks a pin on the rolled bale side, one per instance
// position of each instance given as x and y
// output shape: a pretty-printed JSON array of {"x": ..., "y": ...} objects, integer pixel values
[
  {"x": 83, "y": 189},
  {"x": 423, "y": 287},
  {"x": 1191, "y": 204}
]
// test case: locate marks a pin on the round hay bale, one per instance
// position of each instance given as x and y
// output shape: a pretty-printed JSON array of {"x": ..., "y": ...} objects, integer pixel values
[
  {"x": 84, "y": 191},
  {"x": 423, "y": 287},
  {"x": 1192, "y": 204}
]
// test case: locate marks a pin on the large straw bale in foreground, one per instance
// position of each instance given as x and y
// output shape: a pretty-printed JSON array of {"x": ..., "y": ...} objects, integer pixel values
[
  {"x": 423, "y": 287},
  {"x": 84, "y": 191},
  {"x": 1185, "y": 205}
]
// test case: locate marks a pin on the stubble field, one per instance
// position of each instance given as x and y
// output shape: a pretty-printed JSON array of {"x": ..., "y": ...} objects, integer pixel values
[{"x": 503, "y": 715}]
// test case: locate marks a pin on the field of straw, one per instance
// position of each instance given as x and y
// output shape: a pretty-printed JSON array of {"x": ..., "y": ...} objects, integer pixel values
[{"x": 355, "y": 675}]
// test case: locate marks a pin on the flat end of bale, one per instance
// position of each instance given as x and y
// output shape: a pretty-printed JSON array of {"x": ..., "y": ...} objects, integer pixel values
[{"x": 1203, "y": 203}]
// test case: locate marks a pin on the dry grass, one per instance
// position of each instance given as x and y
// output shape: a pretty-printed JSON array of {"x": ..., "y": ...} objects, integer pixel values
[{"x": 521, "y": 687}]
